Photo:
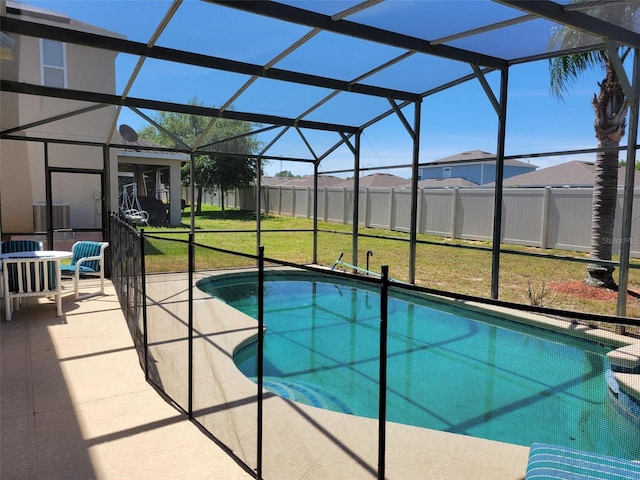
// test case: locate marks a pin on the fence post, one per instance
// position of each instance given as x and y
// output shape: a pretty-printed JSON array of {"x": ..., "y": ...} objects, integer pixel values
[
  {"x": 454, "y": 212},
  {"x": 279, "y": 200},
  {"x": 345, "y": 216},
  {"x": 419, "y": 223},
  {"x": 326, "y": 205},
  {"x": 293, "y": 202},
  {"x": 544, "y": 229},
  {"x": 265, "y": 200},
  {"x": 392, "y": 217},
  {"x": 366, "y": 207}
]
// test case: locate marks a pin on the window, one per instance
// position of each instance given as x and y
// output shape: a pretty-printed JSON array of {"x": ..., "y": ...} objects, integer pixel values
[
  {"x": 53, "y": 63},
  {"x": 446, "y": 172}
]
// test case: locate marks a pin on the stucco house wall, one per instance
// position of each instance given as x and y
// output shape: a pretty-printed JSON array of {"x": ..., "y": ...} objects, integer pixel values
[
  {"x": 22, "y": 164},
  {"x": 480, "y": 173}
]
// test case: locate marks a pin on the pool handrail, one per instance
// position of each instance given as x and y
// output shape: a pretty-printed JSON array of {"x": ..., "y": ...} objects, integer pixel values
[
  {"x": 348, "y": 265},
  {"x": 360, "y": 269}
]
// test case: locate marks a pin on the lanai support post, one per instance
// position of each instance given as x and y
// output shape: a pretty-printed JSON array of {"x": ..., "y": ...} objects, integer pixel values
[
  {"x": 315, "y": 212},
  {"x": 258, "y": 202},
  {"x": 105, "y": 205},
  {"x": 49, "y": 195},
  {"x": 414, "y": 133},
  {"x": 356, "y": 200},
  {"x": 497, "y": 208},
  {"x": 413, "y": 234},
  {"x": 629, "y": 184},
  {"x": 192, "y": 192}
]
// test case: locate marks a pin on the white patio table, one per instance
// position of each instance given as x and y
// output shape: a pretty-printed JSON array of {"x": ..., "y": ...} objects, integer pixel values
[{"x": 32, "y": 264}]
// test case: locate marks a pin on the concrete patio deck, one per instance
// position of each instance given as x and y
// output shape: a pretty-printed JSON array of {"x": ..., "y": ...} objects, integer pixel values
[{"x": 75, "y": 404}]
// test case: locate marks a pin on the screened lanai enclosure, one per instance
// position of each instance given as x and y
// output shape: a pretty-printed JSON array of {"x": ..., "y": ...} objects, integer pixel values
[{"x": 349, "y": 89}]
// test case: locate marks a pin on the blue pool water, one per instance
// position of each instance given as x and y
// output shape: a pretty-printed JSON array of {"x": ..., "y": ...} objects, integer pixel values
[{"x": 449, "y": 368}]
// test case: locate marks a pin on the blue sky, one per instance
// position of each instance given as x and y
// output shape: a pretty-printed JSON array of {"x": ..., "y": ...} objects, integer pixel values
[{"x": 453, "y": 121}]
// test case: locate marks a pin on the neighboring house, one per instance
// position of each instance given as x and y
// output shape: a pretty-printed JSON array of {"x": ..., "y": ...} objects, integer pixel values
[
  {"x": 573, "y": 174},
  {"x": 374, "y": 180},
  {"x": 74, "y": 178},
  {"x": 443, "y": 183},
  {"x": 274, "y": 181},
  {"x": 474, "y": 166},
  {"x": 306, "y": 181}
]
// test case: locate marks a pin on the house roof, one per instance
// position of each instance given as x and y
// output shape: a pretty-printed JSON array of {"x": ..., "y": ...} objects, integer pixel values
[
  {"x": 274, "y": 181},
  {"x": 375, "y": 180},
  {"x": 147, "y": 150},
  {"x": 52, "y": 17},
  {"x": 575, "y": 173},
  {"x": 450, "y": 182},
  {"x": 464, "y": 157},
  {"x": 475, "y": 156},
  {"x": 307, "y": 180}
]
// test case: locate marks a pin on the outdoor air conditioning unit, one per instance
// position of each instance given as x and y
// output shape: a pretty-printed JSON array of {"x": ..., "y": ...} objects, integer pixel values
[{"x": 60, "y": 216}]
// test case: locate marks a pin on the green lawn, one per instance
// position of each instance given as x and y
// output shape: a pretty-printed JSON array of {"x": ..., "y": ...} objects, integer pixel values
[{"x": 438, "y": 265}]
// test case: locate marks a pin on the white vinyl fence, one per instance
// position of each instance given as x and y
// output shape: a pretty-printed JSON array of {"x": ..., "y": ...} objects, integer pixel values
[{"x": 539, "y": 217}]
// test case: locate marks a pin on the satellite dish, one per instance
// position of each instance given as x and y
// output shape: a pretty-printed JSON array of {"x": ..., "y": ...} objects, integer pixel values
[{"x": 128, "y": 133}]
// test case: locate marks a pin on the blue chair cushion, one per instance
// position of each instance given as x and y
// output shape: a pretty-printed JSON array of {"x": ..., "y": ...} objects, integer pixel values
[
  {"x": 562, "y": 463},
  {"x": 71, "y": 269},
  {"x": 81, "y": 250},
  {"x": 11, "y": 246}
]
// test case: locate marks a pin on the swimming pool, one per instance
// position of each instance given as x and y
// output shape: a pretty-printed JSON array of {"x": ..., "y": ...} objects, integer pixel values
[{"x": 449, "y": 368}]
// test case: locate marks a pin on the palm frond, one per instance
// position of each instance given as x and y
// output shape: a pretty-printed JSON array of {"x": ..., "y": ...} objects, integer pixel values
[{"x": 564, "y": 71}]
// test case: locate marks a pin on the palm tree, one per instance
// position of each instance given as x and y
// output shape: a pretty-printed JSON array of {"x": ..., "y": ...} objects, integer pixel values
[{"x": 610, "y": 107}]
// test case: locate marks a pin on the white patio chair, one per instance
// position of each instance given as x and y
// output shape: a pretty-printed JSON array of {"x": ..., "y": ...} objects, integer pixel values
[{"x": 87, "y": 260}]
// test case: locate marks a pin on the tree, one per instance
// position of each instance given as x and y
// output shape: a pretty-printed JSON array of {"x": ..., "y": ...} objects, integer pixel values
[
  {"x": 623, "y": 163},
  {"x": 610, "y": 108},
  {"x": 286, "y": 174},
  {"x": 213, "y": 172}
]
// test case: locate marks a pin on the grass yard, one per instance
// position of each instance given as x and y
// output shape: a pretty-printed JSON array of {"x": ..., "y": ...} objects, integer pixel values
[{"x": 555, "y": 283}]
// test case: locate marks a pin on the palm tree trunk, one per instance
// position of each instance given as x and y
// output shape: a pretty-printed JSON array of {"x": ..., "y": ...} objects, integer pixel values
[
  {"x": 605, "y": 193},
  {"x": 610, "y": 109}
]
